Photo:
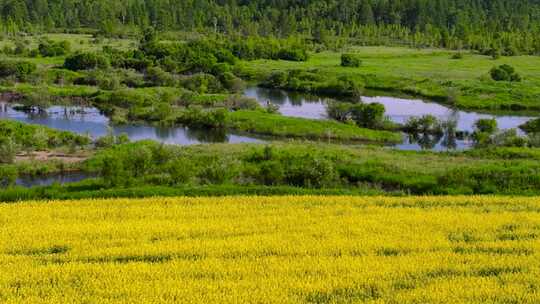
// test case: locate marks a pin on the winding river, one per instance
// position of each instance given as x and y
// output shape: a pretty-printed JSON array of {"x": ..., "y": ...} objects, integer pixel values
[
  {"x": 90, "y": 121},
  {"x": 398, "y": 110}
]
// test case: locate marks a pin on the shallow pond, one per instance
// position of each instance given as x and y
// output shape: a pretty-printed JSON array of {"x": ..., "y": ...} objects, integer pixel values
[
  {"x": 90, "y": 121},
  {"x": 397, "y": 109},
  {"x": 49, "y": 179}
]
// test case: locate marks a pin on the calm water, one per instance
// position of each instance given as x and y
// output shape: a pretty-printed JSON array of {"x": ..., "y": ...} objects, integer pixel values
[
  {"x": 60, "y": 178},
  {"x": 90, "y": 121},
  {"x": 397, "y": 109},
  {"x": 400, "y": 110},
  {"x": 290, "y": 103}
]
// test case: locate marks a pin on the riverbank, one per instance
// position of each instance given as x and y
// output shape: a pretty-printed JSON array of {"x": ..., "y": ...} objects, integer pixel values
[
  {"x": 430, "y": 73},
  {"x": 148, "y": 169}
]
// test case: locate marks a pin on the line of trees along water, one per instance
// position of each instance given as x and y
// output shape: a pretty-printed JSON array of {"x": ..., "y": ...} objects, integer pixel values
[{"x": 509, "y": 25}]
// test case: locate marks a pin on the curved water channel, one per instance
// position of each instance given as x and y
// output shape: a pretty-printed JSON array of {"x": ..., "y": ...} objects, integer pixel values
[
  {"x": 90, "y": 121},
  {"x": 398, "y": 110}
]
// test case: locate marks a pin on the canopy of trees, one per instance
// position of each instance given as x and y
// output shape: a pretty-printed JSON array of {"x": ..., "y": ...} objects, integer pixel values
[{"x": 508, "y": 25}]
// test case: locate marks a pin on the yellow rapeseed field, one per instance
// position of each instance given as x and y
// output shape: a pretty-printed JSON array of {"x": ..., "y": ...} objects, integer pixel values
[{"x": 272, "y": 250}]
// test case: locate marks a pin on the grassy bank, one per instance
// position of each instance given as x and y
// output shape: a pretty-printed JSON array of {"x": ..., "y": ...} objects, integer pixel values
[
  {"x": 281, "y": 126},
  {"x": 307, "y": 249},
  {"x": 429, "y": 73},
  {"x": 148, "y": 169}
]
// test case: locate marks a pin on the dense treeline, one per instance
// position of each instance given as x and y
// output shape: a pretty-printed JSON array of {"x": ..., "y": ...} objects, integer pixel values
[{"x": 511, "y": 25}]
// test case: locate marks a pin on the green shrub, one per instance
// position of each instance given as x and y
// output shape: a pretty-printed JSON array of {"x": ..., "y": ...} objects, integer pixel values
[
  {"x": 104, "y": 79},
  {"x": 293, "y": 53},
  {"x": 50, "y": 48},
  {"x": 368, "y": 115},
  {"x": 488, "y": 126},
  {"x": 155, "y": 76},
  {"x": 342, "y": 86},
  {"x": 277, "y": 79},
  {"x": 21, "y": 47},
  {"x": 8, "y": 150},
  {"x": 202, "y": 83},
  {"x": 495, "y": 53},
  {"x": 456, "y": 56},
  {"x": 532, "y": 126},
  {"x": 426, "y": 124},
  {"x": 504, "y": 73},
  {"x": 231, "y": 82},
  {"x": 509, "y": 138},
  {"x": 203, "y": 118},
  {"x": 18, "y": 69},
  {"x": 340, "y": 111},
  {"x": 8, "y": 176},
  {"x": 86, "y": 61},
  {"x": 240, "y": 102},
  {"x": 351, "y": 60},
  {"x": 181, "y": 171},
  {"x": 491, "y": 179}
]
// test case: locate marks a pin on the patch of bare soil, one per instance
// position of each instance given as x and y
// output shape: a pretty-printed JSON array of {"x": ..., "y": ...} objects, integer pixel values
[{"x": 51, "y": 155}]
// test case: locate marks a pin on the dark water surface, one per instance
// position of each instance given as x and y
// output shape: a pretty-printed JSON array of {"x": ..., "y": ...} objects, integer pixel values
[{"x": 56, "y": 178}]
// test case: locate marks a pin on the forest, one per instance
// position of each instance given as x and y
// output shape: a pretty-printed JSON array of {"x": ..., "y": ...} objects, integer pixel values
[{"x": 511, "y": 26}]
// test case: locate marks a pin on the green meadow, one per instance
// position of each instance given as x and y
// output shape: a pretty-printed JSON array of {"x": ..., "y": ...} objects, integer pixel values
[{"x": 430, "y": 73}]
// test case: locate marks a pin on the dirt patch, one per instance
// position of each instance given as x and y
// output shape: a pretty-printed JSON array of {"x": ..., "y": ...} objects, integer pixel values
[{"x": 49, "y": 156}]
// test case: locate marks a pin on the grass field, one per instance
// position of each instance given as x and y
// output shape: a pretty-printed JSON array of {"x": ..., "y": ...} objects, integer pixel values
[
  {"x": 272, "y": 250},
  {"x": 281, "y": 126},
  {"x": 427, "y": 72}
]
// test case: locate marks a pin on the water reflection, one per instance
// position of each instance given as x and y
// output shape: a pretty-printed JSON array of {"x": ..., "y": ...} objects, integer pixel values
[
  {"x": 47, "y": 180},
  {"x": 398, "y": 110},
  {"x": 290, "y": 103},
  {"x": 89, "y": 121}
]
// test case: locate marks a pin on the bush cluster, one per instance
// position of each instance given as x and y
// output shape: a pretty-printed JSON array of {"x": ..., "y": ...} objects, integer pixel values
[
  {"x": 49, "y": 48},
  {"x": 364, "y": 115},
  {"x": 18, "y": 69},
  {"x": 504, "y": 73},
  {"x": 314, "y": 82},
  {"x": 86, "y": 61},
  {"x": 351, "y": 60}
]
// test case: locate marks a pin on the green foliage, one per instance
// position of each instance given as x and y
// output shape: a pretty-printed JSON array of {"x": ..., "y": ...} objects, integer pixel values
[
  {"x": 368, "y": 115},
  {"x": 488, "y": 126},
  {"x": 104, "y": 79},
  {"x": 18, "y": 135},
  {"x": 294, "y": 53},
  {"x": 351, "y": 60},
  {"x": 532, "y": 126},
  {"x": 320, "y": 166},
  {"x": 49, "y": 48},
  {"x": 277, "y": 125},
  {"x": 203, "y": 118},
  {"x": 111, "y": 139},
  {"x": 155, "y": 76},
  {"x": 86, "y": 61},
  {"x": 340, "y": 111},
  {"x": 495, "y": 178},
  {"x": 426, "y": 124},
  {"x": 202, "y": 83},
  {"x": 8, "y": 150},
  {"x": 314, "y": 82},
  {"x": 364, "y": 115},
  {"x": 506, "y": 26},
  {"x": 19, "y": 69},
  {"x": 504, "y": 73}
]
